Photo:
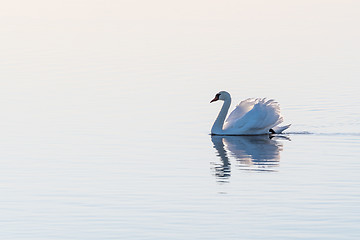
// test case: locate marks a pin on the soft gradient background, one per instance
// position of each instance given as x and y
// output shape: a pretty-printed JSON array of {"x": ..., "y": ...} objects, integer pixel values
[{"x": 105, "y": 118}]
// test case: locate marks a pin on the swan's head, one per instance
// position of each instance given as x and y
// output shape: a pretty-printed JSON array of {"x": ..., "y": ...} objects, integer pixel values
[{"x": 223, "y": 95}]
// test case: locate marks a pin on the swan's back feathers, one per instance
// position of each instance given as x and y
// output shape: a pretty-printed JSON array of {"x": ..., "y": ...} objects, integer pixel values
[
  {"x": 254, "y": 116},
  {"x": 241, "y": 109}
]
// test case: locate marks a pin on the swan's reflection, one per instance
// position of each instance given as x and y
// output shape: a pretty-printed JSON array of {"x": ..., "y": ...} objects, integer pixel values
[{"x": 256, "y": 153}]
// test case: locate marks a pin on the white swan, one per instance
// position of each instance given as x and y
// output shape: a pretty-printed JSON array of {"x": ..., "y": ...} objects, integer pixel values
[{"x": 251, "y": 117}]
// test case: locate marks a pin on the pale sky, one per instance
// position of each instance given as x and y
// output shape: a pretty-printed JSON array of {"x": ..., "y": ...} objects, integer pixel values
[{"x": 72, "y": 50}]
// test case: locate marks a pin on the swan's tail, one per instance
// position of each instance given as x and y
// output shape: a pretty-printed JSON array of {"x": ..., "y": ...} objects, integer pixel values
[{"x": 277, "y": 130}]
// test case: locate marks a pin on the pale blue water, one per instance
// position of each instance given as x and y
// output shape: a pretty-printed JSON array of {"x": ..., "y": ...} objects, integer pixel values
[{"x": 105, "y": 121}]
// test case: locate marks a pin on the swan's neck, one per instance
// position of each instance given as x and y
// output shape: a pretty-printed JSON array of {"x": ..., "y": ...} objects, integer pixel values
[{"x": 217, "y": 127}]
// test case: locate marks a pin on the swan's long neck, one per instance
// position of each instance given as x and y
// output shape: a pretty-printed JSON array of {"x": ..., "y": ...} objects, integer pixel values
[{"x": 217, "y": 127}]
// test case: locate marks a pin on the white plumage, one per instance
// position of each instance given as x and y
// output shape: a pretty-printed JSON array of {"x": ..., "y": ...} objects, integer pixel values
[{"x": 250, "y": 117}]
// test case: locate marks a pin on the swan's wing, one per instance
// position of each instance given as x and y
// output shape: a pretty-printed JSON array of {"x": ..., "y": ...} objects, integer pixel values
[
  {"x": 240, "y": 110},
  {"x": 265, "y": 114}
]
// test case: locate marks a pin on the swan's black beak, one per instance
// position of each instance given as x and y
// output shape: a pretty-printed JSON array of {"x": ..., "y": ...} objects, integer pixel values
[{"x": 215, "y": 98}]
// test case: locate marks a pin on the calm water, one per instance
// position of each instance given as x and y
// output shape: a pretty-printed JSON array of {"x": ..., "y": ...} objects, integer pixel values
[{"x": 105, "y": 120}]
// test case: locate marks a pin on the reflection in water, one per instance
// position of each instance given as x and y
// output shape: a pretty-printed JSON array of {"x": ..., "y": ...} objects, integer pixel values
[{"x": 255, "y": 153}]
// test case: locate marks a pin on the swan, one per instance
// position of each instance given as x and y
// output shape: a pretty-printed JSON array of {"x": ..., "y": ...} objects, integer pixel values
[{"x": 251, "y": 117}]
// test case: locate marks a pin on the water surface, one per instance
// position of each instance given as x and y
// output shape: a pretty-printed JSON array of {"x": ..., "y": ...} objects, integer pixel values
[{"x": 105, "y": 120}]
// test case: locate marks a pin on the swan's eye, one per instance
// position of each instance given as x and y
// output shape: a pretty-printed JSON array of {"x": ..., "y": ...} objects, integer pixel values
[{"x": 218, "y": 95}]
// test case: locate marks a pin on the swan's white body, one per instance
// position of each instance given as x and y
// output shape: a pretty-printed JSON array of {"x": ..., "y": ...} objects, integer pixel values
[{"x": 251, "y": 117}]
